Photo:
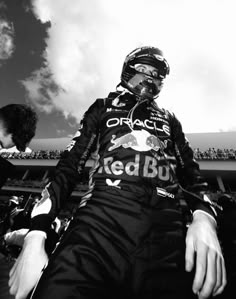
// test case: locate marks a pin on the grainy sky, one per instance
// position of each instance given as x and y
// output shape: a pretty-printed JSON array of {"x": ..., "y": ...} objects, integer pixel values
[{"x": 60, "y": 55}]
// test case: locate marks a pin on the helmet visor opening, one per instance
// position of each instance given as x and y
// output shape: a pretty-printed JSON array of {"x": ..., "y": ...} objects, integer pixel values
[{"x": 160, "y": 65}]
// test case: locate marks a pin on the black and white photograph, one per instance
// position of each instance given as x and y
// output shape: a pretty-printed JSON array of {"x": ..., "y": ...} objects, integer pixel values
[{"x": 117, "y": 149}]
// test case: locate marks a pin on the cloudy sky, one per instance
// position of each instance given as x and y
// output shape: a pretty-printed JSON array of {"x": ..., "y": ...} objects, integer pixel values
[{"x": 60, "y": 55}]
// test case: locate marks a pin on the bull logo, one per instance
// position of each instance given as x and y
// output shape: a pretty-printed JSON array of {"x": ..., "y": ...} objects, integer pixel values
[{"x": 139, "y": 140}]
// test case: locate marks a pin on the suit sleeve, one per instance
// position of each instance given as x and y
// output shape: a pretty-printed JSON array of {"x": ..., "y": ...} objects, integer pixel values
[
  {"x": 192, "y": 182},
  {"x": 69, "y": 169}
]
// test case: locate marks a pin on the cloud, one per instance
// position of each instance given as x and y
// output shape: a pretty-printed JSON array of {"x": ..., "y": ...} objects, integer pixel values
[
  {"x": 88, "y": 41},
  {"x": 7, "y": 32},
  {"x": 41, "y": 88}
]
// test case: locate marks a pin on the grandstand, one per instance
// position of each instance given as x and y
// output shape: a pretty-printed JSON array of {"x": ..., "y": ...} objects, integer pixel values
[
  {"x": 215, "y": 152},
  {"x": 202, "y": 141}
]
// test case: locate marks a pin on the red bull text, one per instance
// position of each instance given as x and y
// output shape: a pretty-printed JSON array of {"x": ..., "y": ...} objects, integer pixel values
[{"x": 150, "y": 169}]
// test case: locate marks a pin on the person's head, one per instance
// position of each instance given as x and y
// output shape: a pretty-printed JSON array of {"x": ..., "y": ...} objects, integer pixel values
[
  {"x": 143, "y": 72},
  {"x": 17, "y": 126}
]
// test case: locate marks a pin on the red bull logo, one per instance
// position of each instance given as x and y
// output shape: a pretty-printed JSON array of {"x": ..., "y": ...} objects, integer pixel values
[{"x": 139, "y": 140}]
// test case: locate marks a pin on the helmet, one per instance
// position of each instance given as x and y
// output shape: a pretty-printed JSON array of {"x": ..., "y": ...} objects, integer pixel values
[{"x": 141, "y": 84}]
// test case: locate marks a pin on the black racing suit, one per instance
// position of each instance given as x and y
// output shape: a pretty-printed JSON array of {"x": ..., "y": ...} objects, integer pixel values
[{"x": 127, "y": 239}]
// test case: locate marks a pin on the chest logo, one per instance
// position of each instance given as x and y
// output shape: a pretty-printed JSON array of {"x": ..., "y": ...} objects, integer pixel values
[{"x": 139, "y": 140}]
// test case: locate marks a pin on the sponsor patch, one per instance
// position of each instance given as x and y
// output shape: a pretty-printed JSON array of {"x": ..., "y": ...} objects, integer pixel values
[{"x": 162, "y": 192}]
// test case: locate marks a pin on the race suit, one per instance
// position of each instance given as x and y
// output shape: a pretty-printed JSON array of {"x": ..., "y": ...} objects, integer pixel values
[{"x": 127, "y": 237}]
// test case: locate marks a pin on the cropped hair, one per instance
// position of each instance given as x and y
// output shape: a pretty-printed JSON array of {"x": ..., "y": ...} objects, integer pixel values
[{"x": 20, "y": 121}]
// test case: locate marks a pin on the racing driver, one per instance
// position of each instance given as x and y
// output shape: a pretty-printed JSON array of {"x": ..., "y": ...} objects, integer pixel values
[{"x": 128, "y": 238}]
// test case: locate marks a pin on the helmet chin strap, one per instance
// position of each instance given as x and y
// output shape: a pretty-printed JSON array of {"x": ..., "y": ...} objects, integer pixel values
[
  {"x": 141, "y": 98},
  {"x": 138, "y": 97}
]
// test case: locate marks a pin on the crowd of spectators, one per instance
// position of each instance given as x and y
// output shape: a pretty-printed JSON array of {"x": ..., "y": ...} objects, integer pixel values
[
  {"x": 25, "y": 183},
  {"x": 41, "y": 154},
  {"x": 209, "y": 154},
  {"x": 39, "y": 184},
  {"x": 215, "y": 154}
]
